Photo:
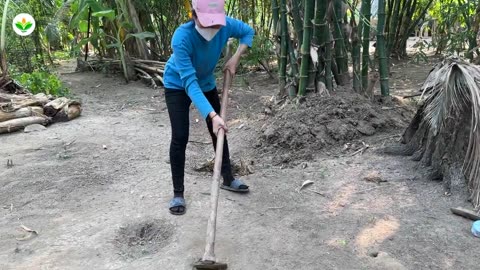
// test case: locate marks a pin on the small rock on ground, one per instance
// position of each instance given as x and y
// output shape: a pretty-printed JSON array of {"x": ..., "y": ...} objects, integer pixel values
[
  {"x": 34, "y": 128},
  {"x": 387, "y": 262},
  {"x": 365, "y": 128}
]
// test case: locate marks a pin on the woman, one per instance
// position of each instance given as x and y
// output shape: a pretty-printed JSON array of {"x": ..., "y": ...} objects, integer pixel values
[{"x": 189, "y": 77}]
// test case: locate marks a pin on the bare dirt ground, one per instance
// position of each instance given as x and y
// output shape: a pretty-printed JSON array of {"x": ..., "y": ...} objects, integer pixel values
[{"x": 96, "y": 208}]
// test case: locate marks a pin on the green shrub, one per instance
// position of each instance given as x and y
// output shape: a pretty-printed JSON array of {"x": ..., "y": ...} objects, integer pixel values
[{"x": 43, "y": 82}]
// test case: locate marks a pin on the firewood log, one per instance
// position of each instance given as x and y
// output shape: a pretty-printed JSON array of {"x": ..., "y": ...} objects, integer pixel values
[
  {"x": 20, "y": 113},
  {"x": 63, "y": 109},
  {"x": 20, "y": 123}
]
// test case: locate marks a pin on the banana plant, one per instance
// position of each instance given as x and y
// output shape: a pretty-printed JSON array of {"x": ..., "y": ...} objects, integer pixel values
[{"x": 119, "y": 39}]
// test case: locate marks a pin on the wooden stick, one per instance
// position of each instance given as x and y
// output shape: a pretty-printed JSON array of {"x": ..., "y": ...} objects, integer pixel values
[
  {"x": 147, "y": 76},
  {"x": 149, "y": 61},
  {"x": 412, "y": 96},
  {"x": 465, "y": 213},
  {"x": 209, "y": 255},
  {"x": 159, "y": 78},
  {"x": 149, "y": 68}
]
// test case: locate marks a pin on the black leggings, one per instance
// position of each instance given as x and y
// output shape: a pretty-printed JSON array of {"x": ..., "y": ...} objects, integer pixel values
[{"x": 178, "y": 104}]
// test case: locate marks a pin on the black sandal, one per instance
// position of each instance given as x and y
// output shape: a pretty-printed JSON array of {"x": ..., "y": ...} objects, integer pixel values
[{"x": 177, "y": 206}]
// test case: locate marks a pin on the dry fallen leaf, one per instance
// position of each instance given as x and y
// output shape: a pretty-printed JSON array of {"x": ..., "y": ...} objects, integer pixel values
[
  {"x": 30, "y": 233},
  {"x": 305, "y": 184}
]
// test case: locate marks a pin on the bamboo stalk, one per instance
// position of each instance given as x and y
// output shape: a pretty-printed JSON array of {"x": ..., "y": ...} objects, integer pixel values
[
  {"x": 297, "y": 20},
  {"x": 357, "y": 84},
  {"x": 326, "y": 42},
  {"x": 293, "y": 68},
  {"x": 381, "y": 47},
  {"x": 340, "y": 55},
  {"x": 365, "y": 10},
  {"x": 318, "y": 39},
  {"x": 392, "y": 30},
  {"x": 282, "y": 70},
  {"x": 275, "y": 16},
  {"x": 305, "y": 49}
]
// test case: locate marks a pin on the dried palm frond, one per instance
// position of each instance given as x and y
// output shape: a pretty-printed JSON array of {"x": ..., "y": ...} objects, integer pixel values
[{"x": 452, "y": 89}]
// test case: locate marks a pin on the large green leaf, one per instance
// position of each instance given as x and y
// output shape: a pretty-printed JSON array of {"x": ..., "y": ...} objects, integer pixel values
[
  {"x": 83, "y": 26},
  {"x": 110, "y": 14},
  {"x": 82, "y": 12},
  {"x": 95, "y": 5},
  {"x": 82, "y": 9}
]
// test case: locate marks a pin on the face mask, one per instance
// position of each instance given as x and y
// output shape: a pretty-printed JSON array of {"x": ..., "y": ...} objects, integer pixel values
[{"x": 207, "y": 33}]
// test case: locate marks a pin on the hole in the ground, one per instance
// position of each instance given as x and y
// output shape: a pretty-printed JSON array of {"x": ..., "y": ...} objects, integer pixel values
[{"x": 143, "y": 238}]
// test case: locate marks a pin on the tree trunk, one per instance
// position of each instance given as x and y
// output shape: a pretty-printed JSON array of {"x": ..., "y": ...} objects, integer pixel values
[{"x": 142, "y": 51}]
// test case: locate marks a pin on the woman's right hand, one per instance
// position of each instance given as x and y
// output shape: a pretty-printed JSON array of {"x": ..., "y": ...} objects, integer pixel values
[{"x": 218, "y": 123}]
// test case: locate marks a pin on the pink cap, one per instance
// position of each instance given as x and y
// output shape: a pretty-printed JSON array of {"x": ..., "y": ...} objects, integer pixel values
[{"x": 210, "y": 12}]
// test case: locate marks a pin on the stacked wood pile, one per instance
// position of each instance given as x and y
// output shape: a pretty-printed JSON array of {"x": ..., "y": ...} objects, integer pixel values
[
  {"x": 21, "y": 109},
  {"x": 149, "y": 71}
]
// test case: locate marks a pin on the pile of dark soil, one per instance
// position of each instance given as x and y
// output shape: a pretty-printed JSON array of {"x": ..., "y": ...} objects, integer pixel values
[{"x": 296, "y": 132}]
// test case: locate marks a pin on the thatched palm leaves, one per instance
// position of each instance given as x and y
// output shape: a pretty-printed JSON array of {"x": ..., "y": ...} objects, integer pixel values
[{"x": 445, "y": 133}]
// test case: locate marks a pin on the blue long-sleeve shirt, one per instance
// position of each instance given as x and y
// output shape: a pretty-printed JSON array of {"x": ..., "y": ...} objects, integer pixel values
[{"x": 192, "y": 64}]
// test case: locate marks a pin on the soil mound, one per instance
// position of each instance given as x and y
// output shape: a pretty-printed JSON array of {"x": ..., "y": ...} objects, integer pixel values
[{"x": 296, "y": 132}]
